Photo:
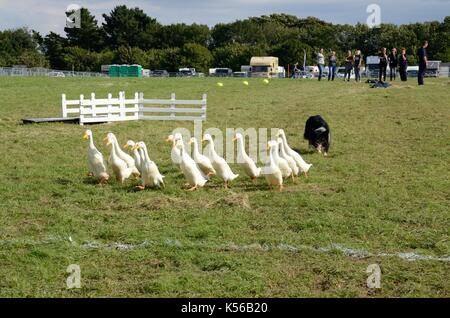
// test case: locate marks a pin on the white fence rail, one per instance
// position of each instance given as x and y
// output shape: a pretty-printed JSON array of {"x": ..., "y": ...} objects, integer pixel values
[{"x": 111, "y": 109}]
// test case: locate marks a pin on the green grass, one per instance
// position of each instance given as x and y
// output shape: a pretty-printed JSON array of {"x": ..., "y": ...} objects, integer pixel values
[{"x": 384, "y": 188}]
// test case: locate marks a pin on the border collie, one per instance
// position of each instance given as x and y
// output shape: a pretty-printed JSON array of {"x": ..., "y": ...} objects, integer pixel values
[{"x": 318, "y": 133}]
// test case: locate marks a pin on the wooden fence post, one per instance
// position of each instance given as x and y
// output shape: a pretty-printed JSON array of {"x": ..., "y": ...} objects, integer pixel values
[
  {"x": 64, "y": 105},
  {"x": 93, "y": 105},
  {"x": 122, "y": 104},
  {"x": 136, "y": 106},
  {"x": 81, "y": 110},
  {"x": 141, "y": 105}
]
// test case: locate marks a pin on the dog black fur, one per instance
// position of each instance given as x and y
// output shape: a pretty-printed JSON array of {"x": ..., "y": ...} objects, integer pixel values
[{"x": 318, "y": 133}]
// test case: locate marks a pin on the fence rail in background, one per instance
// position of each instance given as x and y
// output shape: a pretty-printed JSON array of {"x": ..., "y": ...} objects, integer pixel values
[
  {"x": 21, "y": 71},
  {"x": 111, "y": 109}
]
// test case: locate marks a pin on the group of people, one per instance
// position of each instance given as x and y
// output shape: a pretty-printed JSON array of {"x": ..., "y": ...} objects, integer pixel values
[{"x": 353, "y": 62}]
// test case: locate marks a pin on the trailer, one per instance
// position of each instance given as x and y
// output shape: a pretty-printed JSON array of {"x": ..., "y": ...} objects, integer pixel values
[{"x": 264, "y": 66}]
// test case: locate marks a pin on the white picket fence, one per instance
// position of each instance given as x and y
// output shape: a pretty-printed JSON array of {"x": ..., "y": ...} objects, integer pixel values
[{"x": 111, "y": 109}]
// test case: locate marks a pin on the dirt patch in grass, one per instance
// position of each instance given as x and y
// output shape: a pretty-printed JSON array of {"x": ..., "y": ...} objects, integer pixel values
[{"x": 236, "y": 200}]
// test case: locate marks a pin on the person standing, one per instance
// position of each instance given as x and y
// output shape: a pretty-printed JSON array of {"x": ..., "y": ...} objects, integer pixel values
[
  {"x": 332, "y": 66},
  {"x": 403, "y": 65},
  {"x": 357, "y": 65},
  {"x": 383, "y": 65},
  {"x": 423, "y": 59},
  {"x": 348, "y": 65},
  {"x": 320, "y": 63},
  {"x": 393, "y": 63},
  {"x": 296, "y": 72}
]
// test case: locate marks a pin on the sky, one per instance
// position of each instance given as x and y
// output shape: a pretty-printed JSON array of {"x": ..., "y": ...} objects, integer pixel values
[{"x": 48, "y": 15}]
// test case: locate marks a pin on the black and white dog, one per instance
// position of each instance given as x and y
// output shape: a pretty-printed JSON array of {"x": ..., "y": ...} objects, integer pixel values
[{"x": 317, "y": 132}]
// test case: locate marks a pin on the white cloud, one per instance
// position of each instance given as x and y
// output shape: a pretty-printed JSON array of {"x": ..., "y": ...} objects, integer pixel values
[{"x": 48, "y": 15}]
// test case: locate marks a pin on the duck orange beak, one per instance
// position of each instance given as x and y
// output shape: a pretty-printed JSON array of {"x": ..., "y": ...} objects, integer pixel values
[
  {"x": 125, "y": 146},
  {"x": 135, "y": 147},
  {"x": 85, "y": 136}
]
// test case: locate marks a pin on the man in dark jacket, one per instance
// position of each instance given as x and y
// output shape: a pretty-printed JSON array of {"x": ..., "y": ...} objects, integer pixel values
[{"x": 423, "y": 59}]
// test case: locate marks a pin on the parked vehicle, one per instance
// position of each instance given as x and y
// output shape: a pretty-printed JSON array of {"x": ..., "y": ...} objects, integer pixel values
[
  {"x": 281, "y": 72},
  {"x": 240, "y": 74},
  {"x": 220, "y": 72},
  {"x": 145, "y": 73},
  {"x": 56, "y": 74},
  {"x": 187, "y": 72},
  {"x": 264, "y": 66},
  {"x": 159, "y": 73},
  {"x": 412, "y": 71}
]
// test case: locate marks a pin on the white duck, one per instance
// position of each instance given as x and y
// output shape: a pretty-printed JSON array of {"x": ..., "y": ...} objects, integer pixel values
[
  {"x": 119, "y": 167},
  {"x": 176, "y": 153},
  {"x": 122, "y": 155},
  {"x": 289, "y": 159},
  {"x": 244, "y": 161},
  {"x": 283, "y": 164},
  {"x": 220, "y": 165},
  {"x": 150, "y": 173},
  {"x": 190, "y": 169},
  {"x": 272, "y": 172},
  {"x": 96, "y": 162},
  {"x": 304, "y": 167},
  {"x": 202, "y": 161},
  {"x": 136, "y": 156}
]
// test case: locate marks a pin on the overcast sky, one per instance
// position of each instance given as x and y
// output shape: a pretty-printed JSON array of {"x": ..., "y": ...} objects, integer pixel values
[{"x": 48, "y": 15}]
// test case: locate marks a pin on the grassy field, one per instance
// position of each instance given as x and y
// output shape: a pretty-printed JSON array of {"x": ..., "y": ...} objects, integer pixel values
[{"x": 384, "y": 189}]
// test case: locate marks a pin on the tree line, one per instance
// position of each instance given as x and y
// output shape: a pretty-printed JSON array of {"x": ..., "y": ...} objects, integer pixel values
[{"x": 130, "y": 36}]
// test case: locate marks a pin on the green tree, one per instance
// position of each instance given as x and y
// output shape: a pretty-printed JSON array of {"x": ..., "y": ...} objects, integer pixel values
[
  {"x": 79, "y": 59},
  {"x": 177, "y": 35},
  {"x": 128, "y": 55},
  {"x": 293, "y": 51},
  {"x": 54, "y": 48},
  {"x": 89, "y": 36},
  {"x": 234, "y": 55},
  {"x": 130, "y": 27},
  {"x": 196, "y": 56},
  {"x": 21, "y": 46}
]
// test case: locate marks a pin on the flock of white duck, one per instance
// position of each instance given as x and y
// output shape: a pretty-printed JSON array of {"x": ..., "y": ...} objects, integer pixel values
[{"x": 284, "y": 162}]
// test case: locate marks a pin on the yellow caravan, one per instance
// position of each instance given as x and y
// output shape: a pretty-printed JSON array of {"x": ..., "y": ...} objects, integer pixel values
[{"x": 264, "y": 66}]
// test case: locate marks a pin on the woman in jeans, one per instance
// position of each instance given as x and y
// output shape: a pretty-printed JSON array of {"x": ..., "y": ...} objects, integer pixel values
[
  {"x": 357, "y": 65},
  {"x": 348, "y": 65},
  {"x": 393, "y": 63},
  {"x": 332, "y": 66},
  {"x": 320, "y": 63}
]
